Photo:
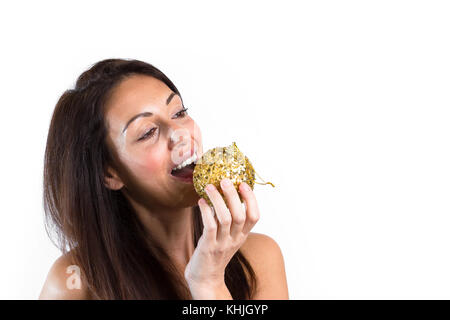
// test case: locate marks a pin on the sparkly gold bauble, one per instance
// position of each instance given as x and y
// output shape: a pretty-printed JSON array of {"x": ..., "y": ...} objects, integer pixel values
[{"x": 219, "y": 163}]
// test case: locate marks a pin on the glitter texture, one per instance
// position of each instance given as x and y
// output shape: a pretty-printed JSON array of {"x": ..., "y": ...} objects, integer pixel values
[{"x": 219, "y": 163}]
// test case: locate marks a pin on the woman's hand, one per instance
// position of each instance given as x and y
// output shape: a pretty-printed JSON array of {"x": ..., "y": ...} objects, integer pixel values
[{"x": 222, "y": 235}]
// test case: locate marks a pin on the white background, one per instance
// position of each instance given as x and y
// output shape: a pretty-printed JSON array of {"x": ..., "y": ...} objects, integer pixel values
[{"x": 343, "y": 105}]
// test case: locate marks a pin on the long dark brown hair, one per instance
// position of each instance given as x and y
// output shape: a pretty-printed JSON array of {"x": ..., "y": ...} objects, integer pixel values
[{"x": 96, "y": 226}]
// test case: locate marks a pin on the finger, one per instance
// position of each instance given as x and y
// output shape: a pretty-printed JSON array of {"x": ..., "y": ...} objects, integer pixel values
[
  {"x": 222, "y": 213},
  {"x": 252, "y": 210},
  {"x": 209, "y": 222},
  {"x": 234, "y": 205}
]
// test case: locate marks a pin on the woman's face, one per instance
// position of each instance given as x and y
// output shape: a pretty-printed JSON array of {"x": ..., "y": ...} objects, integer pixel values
[{"x": 149, "y": 134}]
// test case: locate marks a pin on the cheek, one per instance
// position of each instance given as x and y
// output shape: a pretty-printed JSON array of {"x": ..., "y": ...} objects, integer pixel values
[
  {"x": 152, "y": 165},
  {"x": 146, "y": 167}
]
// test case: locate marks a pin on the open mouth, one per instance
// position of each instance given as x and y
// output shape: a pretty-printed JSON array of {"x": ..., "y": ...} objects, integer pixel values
[{"x": 185, "y": 173}]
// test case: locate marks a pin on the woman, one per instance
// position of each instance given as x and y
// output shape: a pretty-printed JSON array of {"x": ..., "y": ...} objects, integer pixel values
[{"x": 130, "y": 226}]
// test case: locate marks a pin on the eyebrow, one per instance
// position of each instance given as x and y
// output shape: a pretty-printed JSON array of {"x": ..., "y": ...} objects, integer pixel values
[{"x": 147, "y": 114}]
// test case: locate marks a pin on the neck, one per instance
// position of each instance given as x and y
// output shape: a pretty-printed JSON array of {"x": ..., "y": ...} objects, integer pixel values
[{"x": 172, "y": 229}]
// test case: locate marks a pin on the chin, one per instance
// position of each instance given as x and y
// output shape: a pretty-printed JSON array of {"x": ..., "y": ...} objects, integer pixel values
[{"x": 187, "y": 198}]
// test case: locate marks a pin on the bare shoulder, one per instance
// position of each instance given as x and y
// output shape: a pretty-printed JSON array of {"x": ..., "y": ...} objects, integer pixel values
[
  {"x": 266, "y": 258},
  {"x": 259, "y": 248},
  {"x": 257, "y": 241},
  {"x": 63, "y": 282}
]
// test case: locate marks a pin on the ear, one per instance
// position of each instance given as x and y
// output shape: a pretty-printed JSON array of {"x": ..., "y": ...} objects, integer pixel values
[{"x": 112, "y": 179}]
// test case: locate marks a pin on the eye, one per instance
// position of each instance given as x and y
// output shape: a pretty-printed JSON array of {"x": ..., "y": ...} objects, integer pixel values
[
  {"x": 182, "y": 113},
  {"x": 149, "y": 133}
]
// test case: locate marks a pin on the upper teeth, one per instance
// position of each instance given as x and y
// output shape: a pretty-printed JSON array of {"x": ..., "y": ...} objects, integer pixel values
[{"x": 188, "y": 161}]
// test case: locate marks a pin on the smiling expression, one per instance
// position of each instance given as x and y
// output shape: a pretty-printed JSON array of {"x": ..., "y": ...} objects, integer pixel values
[{"x": 150, "y": 131}]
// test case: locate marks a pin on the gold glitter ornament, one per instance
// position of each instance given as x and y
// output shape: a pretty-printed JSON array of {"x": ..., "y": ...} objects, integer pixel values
[{"x": 219, "y": 163}]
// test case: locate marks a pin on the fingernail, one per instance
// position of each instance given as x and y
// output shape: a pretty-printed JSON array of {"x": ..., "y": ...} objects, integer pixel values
[
  {"x": 245, "y": 186},
  {"x": 225, "y": 183},
  {"x": 210, "y": 187}
]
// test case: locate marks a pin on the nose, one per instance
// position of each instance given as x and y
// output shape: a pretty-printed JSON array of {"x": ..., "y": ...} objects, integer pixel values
[
  {"x": 181, "y": 145},
  {"x": 180, "y": 139},
  {"x": 178, "y": 135}
]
